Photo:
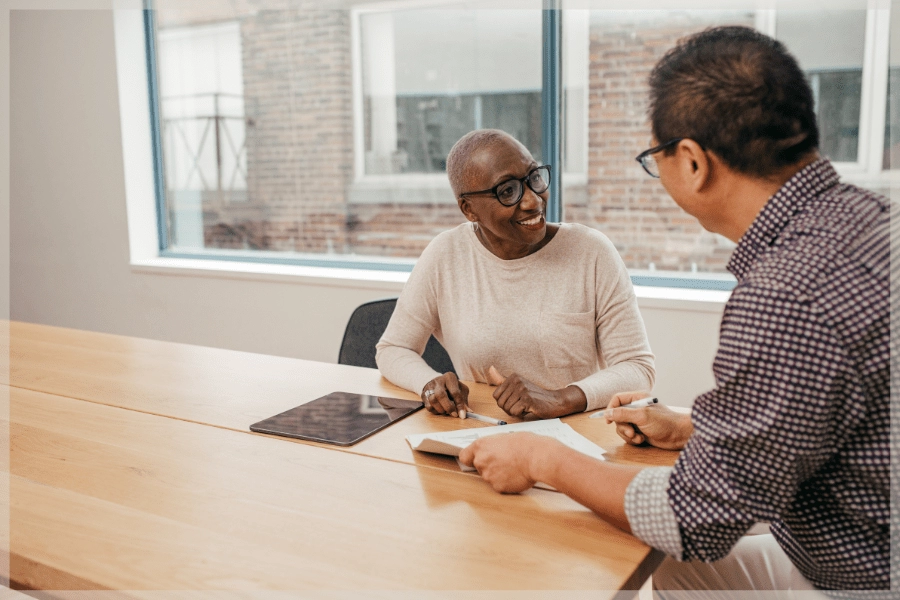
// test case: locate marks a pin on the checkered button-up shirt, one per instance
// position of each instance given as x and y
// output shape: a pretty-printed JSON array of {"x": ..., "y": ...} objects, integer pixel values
[{"x": 796, "y": 431}]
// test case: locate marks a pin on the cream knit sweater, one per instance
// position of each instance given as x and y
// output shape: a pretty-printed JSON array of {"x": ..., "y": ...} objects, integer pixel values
[{"x": 565, "y": 315}]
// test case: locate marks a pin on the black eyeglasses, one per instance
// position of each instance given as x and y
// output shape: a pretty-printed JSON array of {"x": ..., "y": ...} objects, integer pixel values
[
  {"x": 648, "y": 162},
  {"x": 510, "y": 192}
]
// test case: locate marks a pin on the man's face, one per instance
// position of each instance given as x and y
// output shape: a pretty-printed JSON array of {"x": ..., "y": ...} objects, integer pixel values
[
  {"x": 669, "y": 176},
  {"x": 677, "y": 173}
]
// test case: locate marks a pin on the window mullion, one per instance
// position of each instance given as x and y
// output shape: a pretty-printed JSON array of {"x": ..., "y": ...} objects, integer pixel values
[
  {"x": 551, "y": 104},
  {"x": 878, "y": 25},
  {"x": 155, "y": 125}
]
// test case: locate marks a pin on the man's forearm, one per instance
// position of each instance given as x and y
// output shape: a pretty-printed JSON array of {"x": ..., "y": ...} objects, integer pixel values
[{"x": 598, "y": 485}]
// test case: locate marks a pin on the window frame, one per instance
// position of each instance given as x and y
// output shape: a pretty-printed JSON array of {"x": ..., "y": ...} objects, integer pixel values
[{"x": 866, "y": 170}]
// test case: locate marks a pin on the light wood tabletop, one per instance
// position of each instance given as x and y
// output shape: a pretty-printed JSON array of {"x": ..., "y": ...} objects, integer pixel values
[
  {"x": 107, "y": 497},
  {"x": 232, "y": 390}
]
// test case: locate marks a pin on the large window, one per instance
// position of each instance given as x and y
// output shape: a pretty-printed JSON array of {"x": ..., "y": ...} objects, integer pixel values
[{"x": 321, "y": 135}]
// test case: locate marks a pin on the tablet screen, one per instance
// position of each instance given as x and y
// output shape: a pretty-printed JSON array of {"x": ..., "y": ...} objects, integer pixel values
[{"x": 339, "y": 418}]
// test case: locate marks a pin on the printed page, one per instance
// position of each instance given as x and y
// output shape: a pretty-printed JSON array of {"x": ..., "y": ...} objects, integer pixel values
[{"x": 452, "y": 442}]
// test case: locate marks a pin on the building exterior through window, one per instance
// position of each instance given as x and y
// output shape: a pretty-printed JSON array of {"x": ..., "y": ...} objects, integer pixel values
[{"x": 321, "y": 132}]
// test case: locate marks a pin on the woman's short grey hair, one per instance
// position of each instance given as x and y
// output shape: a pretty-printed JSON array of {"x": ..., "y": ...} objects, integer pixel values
[{"x": 458, "y": 159}]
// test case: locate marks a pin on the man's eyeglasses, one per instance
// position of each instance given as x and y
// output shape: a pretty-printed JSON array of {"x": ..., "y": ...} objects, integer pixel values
[
  {"x": 648, "y": 162},
  {"x": 510, "y": 192}
]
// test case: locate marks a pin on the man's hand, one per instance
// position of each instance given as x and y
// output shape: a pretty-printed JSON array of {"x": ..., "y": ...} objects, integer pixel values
[
  {"x": 445, "y": 395},
  {"x": 656, "y": 424},
  {"x": 506, "y": 461},
  {"x": 519, "y": 397}
]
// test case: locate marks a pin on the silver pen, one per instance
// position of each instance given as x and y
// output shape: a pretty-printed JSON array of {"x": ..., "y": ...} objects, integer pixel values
[
  {"x": 635, "y": 404},
  {"x": 477, "y": 417}
]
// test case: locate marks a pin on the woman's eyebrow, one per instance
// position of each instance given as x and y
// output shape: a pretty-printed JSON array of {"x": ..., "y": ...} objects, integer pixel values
[{"x": 507, "y": 176}]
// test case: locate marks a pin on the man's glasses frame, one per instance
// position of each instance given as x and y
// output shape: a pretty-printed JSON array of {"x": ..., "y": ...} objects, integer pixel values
[
  {"x": 648, "y": 162},
  {"x": 523, "y": 181}
]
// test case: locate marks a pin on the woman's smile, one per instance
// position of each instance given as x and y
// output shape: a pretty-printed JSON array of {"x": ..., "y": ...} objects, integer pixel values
[{"x": 532, "y": 223}]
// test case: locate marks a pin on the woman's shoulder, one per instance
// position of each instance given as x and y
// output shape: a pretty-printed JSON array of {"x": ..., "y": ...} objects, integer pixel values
[
  {"x": 585, "y": 239},
  {"x": 447, "y": 244}
]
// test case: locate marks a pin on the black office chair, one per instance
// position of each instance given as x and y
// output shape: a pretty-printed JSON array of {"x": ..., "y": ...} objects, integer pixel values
[{"x": 364, "y": 329}]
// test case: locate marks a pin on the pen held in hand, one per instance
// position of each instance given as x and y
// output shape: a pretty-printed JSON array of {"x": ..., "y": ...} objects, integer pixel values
[
  {"x": 477, "y": 417},
  {"x": 635, "y": 404}
]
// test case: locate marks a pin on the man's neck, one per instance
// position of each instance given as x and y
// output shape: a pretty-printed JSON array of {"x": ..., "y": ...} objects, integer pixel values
[{"x": 742, "y": 197}]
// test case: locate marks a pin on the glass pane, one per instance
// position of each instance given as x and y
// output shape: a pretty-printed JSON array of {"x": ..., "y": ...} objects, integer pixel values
[
  {"x": 430, "y": 76},
  {"x": 312, "y": 132},
  {"x": 892, "y": 120},
  {"x": 834, "y": 70},
  {"x": 202, "y": 123},
  {"x": 614, "y": 53}
]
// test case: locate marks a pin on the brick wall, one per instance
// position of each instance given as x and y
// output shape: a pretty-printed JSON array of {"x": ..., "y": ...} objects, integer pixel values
[
  {"x": 297, "y": 89},
  {"x": 398, "y": 230},
  {"x": 629, "y": 206}
]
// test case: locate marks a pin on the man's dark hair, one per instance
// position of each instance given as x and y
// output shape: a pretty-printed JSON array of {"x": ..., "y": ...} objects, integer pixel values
[{"x": 738, "y": 93}]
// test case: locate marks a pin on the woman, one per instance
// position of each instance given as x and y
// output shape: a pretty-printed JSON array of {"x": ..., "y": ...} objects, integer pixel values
[{"x": 545, "y": 311}]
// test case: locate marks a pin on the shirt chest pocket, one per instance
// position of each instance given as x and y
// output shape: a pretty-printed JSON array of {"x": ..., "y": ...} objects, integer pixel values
[{"x": 568, "y": 339}]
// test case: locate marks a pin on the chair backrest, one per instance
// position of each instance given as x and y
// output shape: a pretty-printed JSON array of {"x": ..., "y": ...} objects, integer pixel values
[{"x": 365, "y": 328}]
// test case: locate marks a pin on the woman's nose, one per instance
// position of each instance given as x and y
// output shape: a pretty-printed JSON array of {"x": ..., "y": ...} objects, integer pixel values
[{"x": 530, "y": 200}]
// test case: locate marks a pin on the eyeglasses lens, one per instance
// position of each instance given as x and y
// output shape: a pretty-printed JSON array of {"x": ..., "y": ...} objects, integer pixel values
[
  {"x": 649, "y": 164},
  {"x": 539, "y": 180},
  {"x": 510, "y": 192}
]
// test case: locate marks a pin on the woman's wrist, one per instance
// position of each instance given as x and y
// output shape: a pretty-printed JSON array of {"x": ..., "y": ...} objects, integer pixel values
[{"x": 572, "y": 399}]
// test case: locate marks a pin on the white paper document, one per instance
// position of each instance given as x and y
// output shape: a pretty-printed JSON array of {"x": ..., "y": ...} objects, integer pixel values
[{"x": 452, "y": 442}]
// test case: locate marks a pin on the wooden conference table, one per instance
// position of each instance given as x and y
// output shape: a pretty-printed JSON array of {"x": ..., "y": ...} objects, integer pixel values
[{"x": 131, "y": 467}]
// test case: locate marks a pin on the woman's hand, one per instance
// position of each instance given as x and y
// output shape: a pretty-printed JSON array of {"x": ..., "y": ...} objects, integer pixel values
[
  {"x": 656, "y": 424},
  {"x": 446, "y": 395},
  {"x": 519, "y": 397}
]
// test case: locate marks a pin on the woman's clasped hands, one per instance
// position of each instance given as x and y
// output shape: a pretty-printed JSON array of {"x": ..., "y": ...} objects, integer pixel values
[{"x": 519, "y": 397}]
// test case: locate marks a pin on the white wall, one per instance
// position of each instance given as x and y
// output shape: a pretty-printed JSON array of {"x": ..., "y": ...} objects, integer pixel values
[{"x": 69, "y": 263}]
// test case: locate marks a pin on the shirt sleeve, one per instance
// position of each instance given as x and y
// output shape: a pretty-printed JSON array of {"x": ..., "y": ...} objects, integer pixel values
[
  {"x": 621, "y": 337},
  {"x": 770, "y": 423},
  {"x": 399, "y": 351},
  {"x": 647, "y": 508}
]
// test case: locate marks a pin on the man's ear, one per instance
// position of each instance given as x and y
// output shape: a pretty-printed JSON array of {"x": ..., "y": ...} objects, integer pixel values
[{"x": 695, "y": 164}]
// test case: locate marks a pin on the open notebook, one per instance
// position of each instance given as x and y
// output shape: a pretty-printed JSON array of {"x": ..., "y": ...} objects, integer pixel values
[{"x": 452, "y": 442}]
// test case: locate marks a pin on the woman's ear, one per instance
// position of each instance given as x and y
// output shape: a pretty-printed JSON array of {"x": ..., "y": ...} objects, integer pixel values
[{"x": 467, "y": 211}]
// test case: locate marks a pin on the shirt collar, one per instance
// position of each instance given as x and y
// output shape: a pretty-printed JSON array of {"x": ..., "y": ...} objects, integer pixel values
[{"x": 810, "y": 181}]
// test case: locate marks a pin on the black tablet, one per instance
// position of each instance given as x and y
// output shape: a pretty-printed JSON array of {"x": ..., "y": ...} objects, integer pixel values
[{"x": 339, "y": 418}]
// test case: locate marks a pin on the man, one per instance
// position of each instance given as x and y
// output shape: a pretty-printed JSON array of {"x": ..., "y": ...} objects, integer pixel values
[{"x": 796, "y": 431}]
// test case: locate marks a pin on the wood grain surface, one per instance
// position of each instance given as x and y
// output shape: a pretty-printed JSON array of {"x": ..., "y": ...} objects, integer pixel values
[
  {"x": 232, "y": 390},
  {"x": 106, "y": 497}
]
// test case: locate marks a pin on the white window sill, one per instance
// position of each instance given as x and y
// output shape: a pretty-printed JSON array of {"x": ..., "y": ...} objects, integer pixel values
[
  {"x": 681, "y": 298},
  {"x": 387, "y": 281}
]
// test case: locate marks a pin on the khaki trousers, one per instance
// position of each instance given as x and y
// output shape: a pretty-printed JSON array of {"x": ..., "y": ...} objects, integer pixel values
[{"x": 756, "y": 568}]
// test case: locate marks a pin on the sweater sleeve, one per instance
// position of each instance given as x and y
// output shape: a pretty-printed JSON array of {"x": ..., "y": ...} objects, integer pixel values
[
  {"x": 399, "y": 351},
  {"x": 621, "y": 336}
]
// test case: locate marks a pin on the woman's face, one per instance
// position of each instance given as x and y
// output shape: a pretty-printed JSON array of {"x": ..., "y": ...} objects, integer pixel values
[{"x": 508, "y": 231}]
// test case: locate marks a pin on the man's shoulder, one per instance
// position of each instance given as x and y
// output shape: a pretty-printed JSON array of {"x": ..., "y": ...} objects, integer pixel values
[
  {"x": 837, "y": 240},
  {"x": 841, "y": 213}
]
